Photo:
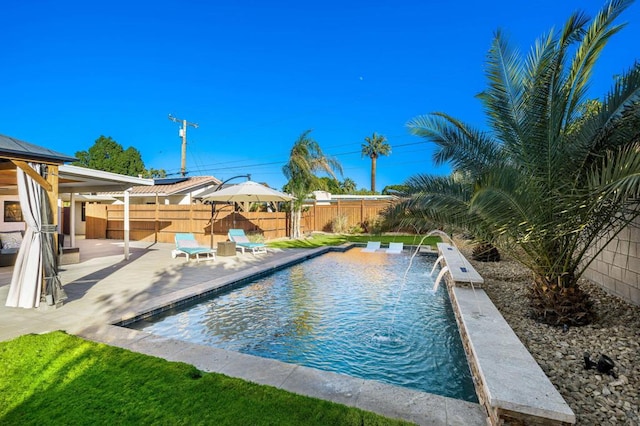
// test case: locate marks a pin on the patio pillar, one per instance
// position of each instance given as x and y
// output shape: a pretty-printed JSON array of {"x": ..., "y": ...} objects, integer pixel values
[
  {"x": 72, "y": 219},
  {"x": 156, "y": 226},
  {"x": 52, "y": 199},
  {"x": 59, "y": 206},
  {"x": 126, "y": 225}
]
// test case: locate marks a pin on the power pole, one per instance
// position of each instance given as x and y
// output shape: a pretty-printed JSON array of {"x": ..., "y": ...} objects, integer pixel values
[{"x": 183, "y": 135}]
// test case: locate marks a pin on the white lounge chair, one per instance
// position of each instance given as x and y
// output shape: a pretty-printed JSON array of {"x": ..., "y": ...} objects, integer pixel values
[
  {"x": 395, "y": 248},
  {"x": 371, "y": 246},
  {"x": 242, "y": 242},
  {"x": 186, "y": 244}
]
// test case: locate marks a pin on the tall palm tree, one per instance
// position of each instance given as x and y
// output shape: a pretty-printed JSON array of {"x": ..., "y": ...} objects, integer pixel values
[
  {"x": 306, "y": 159},
  {"x": 555, "y": 174},
  {"x": 375, "y": 146}
]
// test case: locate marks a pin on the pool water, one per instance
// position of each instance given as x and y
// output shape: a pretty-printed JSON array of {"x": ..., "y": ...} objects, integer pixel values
[{"x": 352, "y": 313}]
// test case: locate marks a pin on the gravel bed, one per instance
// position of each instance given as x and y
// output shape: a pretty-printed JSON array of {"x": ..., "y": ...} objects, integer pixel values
[{"x": 595, "y": 398}]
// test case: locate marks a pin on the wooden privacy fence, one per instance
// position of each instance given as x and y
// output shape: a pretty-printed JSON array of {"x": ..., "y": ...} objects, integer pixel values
[
  {"x": 363, "y": 213},
  {"x": 160, "y": 222}
]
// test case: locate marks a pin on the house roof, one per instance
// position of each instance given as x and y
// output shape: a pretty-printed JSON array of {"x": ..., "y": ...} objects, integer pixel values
[
  {"x": 173, "y": 187},
  {"x": 81, "y": 179},
  {"x": 17, "y": 149},
  {"x": 327, "y": 196},
  {"x": 70, "y": 178}
]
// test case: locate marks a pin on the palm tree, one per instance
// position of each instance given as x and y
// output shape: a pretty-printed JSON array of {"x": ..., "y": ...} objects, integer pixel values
[
  {"x": 375, "y": 146},
  {"x": 306, "y": 158},
  {"x": 555, "y": 174},
  {"x": 348, "y": 186}
]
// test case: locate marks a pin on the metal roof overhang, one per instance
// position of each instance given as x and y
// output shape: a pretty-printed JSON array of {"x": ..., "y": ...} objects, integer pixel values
[{"x": 74, "y": 179}]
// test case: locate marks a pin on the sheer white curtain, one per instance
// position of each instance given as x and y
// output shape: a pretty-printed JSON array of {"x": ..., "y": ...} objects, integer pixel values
[{"x": 26, "y": 283}]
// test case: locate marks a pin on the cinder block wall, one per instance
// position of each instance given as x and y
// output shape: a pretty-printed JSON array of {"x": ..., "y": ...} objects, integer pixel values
[{"x": 617, "y": 268}]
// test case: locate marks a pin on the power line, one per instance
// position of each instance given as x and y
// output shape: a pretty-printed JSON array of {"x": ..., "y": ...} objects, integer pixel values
[
  {"x": 221, "y": 167},
  {"x": 214, "y": 166}
]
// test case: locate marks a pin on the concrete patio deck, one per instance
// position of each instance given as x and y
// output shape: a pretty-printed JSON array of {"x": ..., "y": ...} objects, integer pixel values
[{"x": 104, "y": 289}]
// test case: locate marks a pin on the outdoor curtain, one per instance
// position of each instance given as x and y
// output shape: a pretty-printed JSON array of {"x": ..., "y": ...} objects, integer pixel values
[{"x": 36, "y": 257}]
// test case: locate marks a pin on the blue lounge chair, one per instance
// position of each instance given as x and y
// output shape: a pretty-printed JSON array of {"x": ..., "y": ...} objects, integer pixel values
[
  {"x": 372, "y": 246},
  {"x": 242, "y": 242},
  {"x": 186, "y": 244},
  {"x": 395, "y": 248}
]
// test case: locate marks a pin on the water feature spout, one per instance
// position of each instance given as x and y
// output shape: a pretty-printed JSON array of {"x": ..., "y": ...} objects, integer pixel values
[
  {"x": 440, "y": 234},
  {"x": 439, "y": 278},
  {"x": 445, "y": 269},
  {"x": 435, "y": 265}
]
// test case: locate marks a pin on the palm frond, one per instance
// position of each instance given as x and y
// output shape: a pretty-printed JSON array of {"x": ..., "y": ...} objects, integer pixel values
[
  {"x": 534, "y": 151},
  {"x": 617, "y": 178},
  {"x": 589, "y": 50},
  {"x": 466, "y": 148},
  {"x": 620, "y": 113},
  {"x": 503, "y": 98}
]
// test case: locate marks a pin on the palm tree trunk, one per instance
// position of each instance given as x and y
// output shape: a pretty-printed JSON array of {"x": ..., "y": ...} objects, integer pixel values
[
  {"x": 373, "y": 174},
  {"x": 559, "y": 300},
  {"x": 294, "y": 224}
]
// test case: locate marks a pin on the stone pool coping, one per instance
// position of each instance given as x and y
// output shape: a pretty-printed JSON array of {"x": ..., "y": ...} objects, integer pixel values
[
  {"x": 392, "y": 401},
  {"x": 509, "y": 382}
]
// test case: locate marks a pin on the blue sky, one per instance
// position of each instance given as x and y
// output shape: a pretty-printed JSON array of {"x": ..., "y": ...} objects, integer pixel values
[{"x": 254, "y": 75}]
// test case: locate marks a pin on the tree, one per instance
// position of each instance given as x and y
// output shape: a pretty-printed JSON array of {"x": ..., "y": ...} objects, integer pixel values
[
  {"x": 348, "y": 186},
  {"x": 306, "y": 159},
  {"x": 108, "y": 155},
  {"x": 326, "y": 183},
  {"x": 154, "y": 173},
  {"x": 556, "y": 173},
  {"x": 375, "y": 146}
]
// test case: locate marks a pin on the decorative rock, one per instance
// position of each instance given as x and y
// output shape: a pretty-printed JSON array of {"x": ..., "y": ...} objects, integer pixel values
[{"x": 622, "y": 380}]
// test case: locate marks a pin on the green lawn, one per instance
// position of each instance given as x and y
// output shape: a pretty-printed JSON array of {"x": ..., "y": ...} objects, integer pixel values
[
  {"x": 56, "y": 378},
  {"x": 318, "y": 240}
]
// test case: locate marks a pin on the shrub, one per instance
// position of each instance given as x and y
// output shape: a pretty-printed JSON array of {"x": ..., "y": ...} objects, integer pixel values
[
  {"x": 339, "y": 224},
  {"x": 373, "y": 226},
  {"x": 256, "y": 237},
  {"x": 356, "y": 229}
]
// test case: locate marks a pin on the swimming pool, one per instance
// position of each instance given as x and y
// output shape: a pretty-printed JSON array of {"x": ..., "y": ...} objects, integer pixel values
[{"x": 352, "y": 313}]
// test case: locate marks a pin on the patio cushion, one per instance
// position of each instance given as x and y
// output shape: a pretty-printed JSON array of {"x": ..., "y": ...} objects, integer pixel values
[
  {"x": 11, "y": 240},
  {"x": 189, "y": 244}
]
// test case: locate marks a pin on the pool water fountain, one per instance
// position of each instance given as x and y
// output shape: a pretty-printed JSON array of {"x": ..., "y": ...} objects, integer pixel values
[{"x": 404, "y": 282}]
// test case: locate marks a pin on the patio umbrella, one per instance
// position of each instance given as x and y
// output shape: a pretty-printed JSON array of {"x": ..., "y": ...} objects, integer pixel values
[{"x": 248, "y": 191}]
